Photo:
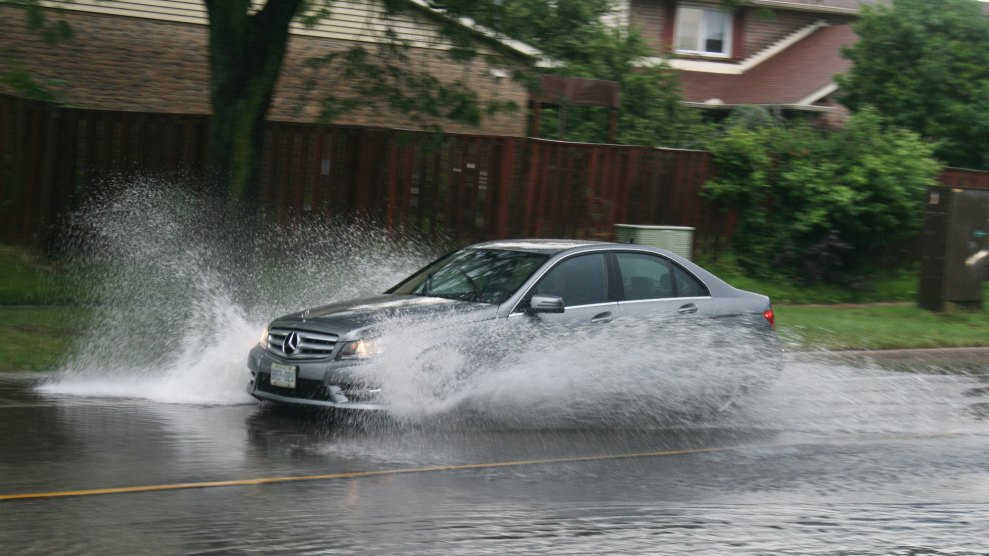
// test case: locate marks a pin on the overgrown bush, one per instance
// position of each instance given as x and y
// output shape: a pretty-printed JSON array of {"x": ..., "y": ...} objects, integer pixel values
[{"x": 820, "y": 206}]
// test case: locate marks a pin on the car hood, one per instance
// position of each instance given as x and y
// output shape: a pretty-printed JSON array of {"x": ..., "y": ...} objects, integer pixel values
[{"x": 357, "y": 314}]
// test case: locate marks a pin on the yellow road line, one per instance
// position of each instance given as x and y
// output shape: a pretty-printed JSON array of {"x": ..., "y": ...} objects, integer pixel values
[{"x": 461, "y": 467}]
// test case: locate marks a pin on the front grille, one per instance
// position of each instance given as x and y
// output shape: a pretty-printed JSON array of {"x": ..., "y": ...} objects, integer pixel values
[{"x": 312, "y": 345}]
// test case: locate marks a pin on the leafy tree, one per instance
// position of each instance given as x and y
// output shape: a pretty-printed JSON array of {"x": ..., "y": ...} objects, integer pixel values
[
  {"x": 575, "y": 34},
  {"x": 819, "y": 206},
  {"x": 246, "y": 51},
  {"x": 922, "y": 65}
]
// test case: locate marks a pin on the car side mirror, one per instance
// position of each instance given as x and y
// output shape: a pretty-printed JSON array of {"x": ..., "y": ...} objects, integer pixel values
[{"x": 542, "y": 303}]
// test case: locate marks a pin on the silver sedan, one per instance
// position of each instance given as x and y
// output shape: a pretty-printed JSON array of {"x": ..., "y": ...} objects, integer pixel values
[{"x": 317, "y": 357}]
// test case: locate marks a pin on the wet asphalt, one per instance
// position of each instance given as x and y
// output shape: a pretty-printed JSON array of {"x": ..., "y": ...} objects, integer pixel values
[{"x": 839, "y": 456}]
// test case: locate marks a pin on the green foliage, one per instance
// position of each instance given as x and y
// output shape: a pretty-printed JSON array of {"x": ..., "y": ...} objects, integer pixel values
[
  {"x": 572, "y": 34},
  {"x": 387, "y": 79},
  {"x": 28, "y": 279},
  {"x": 38, "y": 20},
  {"x": 819, "y": 206},
  {"x": 23, "y": 83},
  {"x": 922, "y": 65},
  {"x": 887, "y": 286},
  {"x": 38, "y": 338},
  {"x": 575, "y": 36},
  {"x": 18, "y": 79}
]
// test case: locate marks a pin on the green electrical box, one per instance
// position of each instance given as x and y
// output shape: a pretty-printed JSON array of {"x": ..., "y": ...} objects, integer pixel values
[{"x": 678, "y": 239}]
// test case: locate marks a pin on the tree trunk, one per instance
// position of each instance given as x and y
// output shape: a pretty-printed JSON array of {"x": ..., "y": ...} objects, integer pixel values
[{"x": 246, "y": 54}]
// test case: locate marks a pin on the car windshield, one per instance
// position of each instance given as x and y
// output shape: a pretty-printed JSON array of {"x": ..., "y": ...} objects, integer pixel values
[{"x": 483, "y": 275}]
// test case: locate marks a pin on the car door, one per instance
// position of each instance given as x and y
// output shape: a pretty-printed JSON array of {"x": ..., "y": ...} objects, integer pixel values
[
  {"x": 653, "y": 285},
  {"x": 582, "y": 282}
]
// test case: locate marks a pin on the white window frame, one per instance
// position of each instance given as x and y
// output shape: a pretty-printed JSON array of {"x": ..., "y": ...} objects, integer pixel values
[{"x": 701, "y": 32}]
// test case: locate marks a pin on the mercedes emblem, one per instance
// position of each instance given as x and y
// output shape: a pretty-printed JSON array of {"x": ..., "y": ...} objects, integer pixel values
[{"x": 291, "y": 344}]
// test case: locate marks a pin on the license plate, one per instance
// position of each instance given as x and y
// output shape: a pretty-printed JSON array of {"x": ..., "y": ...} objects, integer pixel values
[{"x": 282, "y": 376}]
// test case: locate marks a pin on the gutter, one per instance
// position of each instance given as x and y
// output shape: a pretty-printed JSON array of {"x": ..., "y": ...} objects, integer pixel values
[{"x": 797, "y": 6}]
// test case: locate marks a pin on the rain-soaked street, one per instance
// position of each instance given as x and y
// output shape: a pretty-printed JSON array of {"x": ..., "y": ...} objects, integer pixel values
[{"x": 833, "y": 458}]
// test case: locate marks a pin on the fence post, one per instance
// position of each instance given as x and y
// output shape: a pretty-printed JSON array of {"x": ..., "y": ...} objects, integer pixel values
[
  {"x": 392, "y": 185},
  {"x": 503, "y": 188},
  {"x": 365, "y": 157}
]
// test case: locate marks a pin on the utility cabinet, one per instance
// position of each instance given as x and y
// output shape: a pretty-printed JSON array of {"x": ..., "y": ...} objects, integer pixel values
[
  {"x": 678, "y": 239},
  {"x": 954, "y": 247}
]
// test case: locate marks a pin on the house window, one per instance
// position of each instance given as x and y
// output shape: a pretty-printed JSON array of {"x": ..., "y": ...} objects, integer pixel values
[{"x": 705, "y": 31}]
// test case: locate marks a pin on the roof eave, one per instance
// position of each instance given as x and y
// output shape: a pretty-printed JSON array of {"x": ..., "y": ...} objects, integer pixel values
[
  {"x": 785, "y": 5},
  {"x": 517, "y": 47},
  {"x": 795, "y": 107},
  {"x": 819, "y": 94}
]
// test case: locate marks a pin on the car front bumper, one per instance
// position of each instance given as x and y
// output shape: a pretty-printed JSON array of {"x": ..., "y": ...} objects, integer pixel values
[{"x": 320, "y": 383}]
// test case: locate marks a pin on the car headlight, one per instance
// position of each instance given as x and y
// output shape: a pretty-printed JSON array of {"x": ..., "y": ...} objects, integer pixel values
[
  {"x": 263, "y": 340},
  {"x": 358, "y": 349}
]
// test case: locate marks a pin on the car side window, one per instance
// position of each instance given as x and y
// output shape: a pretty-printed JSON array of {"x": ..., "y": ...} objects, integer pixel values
[
  {"x": 687, "y": 285},
  {"x": 645, "y": 276},
  {"x": 580, "y": 280}
]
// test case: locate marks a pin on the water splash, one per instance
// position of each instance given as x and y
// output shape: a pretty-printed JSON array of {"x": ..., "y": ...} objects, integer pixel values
[
  {"x": 182, "y": 288},
  {"x": 522, "y": 373}
]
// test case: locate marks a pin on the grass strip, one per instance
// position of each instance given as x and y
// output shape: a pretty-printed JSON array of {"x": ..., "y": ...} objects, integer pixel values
[
  {"x": 38, "y": 338},
  {"x": 893, "y": 326},
  {"x": 29, "y": 279}
]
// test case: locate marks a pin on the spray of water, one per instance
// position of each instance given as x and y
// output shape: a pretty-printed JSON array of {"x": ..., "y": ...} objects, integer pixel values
[
  {"x": 184, "y": 287},
  {"x": 520, "y": 372}
]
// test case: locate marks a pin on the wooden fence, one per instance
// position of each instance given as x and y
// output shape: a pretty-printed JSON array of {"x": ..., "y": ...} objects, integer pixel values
[
  {"x": 478, "y": 186},
  {"x": 960, "y": 177}
]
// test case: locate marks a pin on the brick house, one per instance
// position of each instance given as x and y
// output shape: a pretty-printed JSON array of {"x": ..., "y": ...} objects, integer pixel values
[
  {"x": 781, "y": 54},
  {"x": 151, "y": 56}
]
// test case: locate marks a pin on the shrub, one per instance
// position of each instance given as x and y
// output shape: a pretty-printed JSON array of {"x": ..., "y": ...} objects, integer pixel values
[{"x": 821, "y": 206}]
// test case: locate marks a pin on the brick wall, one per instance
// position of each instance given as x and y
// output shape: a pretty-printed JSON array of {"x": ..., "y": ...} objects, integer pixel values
[
  {"x": 763, "y": 26},
  {"x": 125, "y": 63},
  {"x": 648, "y": 16}
]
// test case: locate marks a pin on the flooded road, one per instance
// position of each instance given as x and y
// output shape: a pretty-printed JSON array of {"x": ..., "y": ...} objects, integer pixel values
[{"x": 834, "y": 458}]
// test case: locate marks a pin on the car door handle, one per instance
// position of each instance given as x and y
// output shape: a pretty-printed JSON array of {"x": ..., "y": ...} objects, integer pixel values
[
  {"x": 603, "y": 317},
  {"x": 688, "y": 309}
]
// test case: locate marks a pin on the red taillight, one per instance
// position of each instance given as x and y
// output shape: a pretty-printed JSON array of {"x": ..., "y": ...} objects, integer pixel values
[{"x": 770, "y": 317}]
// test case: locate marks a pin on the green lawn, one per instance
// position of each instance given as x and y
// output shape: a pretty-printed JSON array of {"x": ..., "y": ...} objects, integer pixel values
[
  {"x": 37, "y": 338},
  {"x": 883, "y": 287},
  {"x": 880, "y": 327},
  {"x": 28, "y": 279}
]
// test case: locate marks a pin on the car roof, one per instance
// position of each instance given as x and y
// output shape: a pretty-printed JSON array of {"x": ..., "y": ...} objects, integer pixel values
[{"x": 543, "y": 246}]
